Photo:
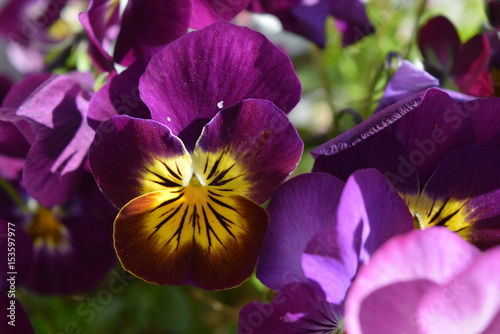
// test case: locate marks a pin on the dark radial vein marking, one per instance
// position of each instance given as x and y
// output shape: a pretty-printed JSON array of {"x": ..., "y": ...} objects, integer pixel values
[
  {"x": 178, "y": 232},
  {"x": 164, "y": 181},
  {"x": 223, "y": 221},
  {"x": 174, "y": 174},
  {"x": 170, "y": 201},
  {"x": 164, "y": 221},
  {"x": 210, "y": 230},
  {"x": 214, "y": 168},
  {"x": 438, "y": 213},
  {"x": 221, "y": 203},
  {"x": 443, "y": 221}
]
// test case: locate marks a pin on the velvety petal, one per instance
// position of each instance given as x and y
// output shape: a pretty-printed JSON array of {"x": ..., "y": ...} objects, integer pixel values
[
  {"x": 97, "y": 20},
  {"x": 206, "y": 12},
  {"x": 440, "y": 44},
  {"x": 300, "y": 209},
  {"x": 12, "y": 142},
  {"x": 161, "y": 22},
  {"x": 296, "y": 308},
  {"x": 189, "y": 237},
  {"x": 463, "y": 193},
  {"x": 78, "y": 251},
  {"x": 16, "y": 321},
  {"x": 485, "y": 121},
  {"x": 407, "y": 80},
  {"x": 191, "y": 79},
  {"x": 254, "y": 143},
  {"x": 369, "y": 213},
  {"x": 472, "y": 62},
  {"x": 270, "y": 6},
  {"x": 436, "y": 128},
  {"x": 351, "y": 19},
  {"x": 380, "y": 151},
  {"x": 468, "y": 303},
  {"x": 56, "y": 112},
  {"x": 129, "y": 156},
  {"x": 120, "y": 96},
  {"x": 17, "y": 253},
  {"x": 307, "y": 20},
  {"x": 386, "y": 292}
]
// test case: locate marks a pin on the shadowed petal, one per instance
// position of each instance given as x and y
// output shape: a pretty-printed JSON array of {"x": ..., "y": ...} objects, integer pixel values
[
  {"x": 369, "y": 213},
  {"x": 206, "y": 12},
  {"x": 188, "y": 237},
  {"x": 130, "y": 157},
  {"x": 300, "y": 209},
  {"x": 296, "y": 308},
  {"x": 160, "y": 22},
  {"x": 191, "y": 79},
  {"x": 259, "y": 146}
]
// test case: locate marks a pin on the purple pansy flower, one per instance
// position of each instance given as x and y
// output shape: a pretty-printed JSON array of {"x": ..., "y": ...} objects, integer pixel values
[
  {"x": 189, "y": 180},
  {"x": 321, "y": 232},
  {"x": 441, "y": 156},
  {"x": 426, "y": 282},
  {"x": 71, "y": 242},
  {"x": 447, "y": 58},
  {"x": 308, "y": 18},
  {"x": 53, "y": 120}
]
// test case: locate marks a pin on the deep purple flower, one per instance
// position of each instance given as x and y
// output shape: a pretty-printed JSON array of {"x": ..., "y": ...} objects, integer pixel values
[
  {"x": 72, "y": 242},
  {"x": 426, "y": 282},
  {"x": 447, "y": 58},
  {"x": 53, "y": 121},
  {"x": 308, "y": 18},
  {"x": 189, "y": 180},
  {"x": 441, "y": 156},
  {"x": 206, "y": 12},
  {"x": 320, "y": 233}
]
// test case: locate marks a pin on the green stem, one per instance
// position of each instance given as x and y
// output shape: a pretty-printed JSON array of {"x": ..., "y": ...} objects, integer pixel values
[{"x": 13, "y": 194}]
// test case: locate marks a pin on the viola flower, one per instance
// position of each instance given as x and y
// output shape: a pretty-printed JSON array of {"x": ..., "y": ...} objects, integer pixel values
[
  {"x": 320, "y": 233},
  {"x": 308, "y": 18},
  {"x": 53, "y": 121},
  {"x": 189, "y": 180},
  {"x": 426, "y": 282},
  {"x": 161, "y": 22},
  {"x": 447, "y": 58},
  {"x": 72, "y": 242},
  {"x": 440, "y": 155}
]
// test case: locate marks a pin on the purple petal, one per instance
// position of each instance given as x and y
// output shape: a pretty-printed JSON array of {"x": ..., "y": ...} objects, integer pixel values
[
  {"x": 191, "y": 79},
  {"x": 300, "y": 209},
  {"x": 119, "y": 96},
  {"x": 435, "y": 129},
  {"x": 407, "y": 80},
  {"x": 469, "y": 303},
  {"x": 463, "y": 193},
  {"x": 124, "y": 153},
  {"x": 261, "y": 139},
  {"x": 57, "y": 114},
  {"x": 160, "y": 22},
  {"x": 84, "y": 255},
  {"x": 439, "y": 44},
  {"x": 369, "y": 213},
  {"x": 296, "y": 308},
  {"x": 485, "y": 120},
  {"x": 398, "y": 274},
  {"x": 206, "y": 12},
  {"x": 100, "y": 16},
  {"x": 351, "y": 19}
]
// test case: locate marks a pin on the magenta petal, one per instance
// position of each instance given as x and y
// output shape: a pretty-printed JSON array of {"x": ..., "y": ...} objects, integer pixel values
[
  {"x": 398, "y": 273},
  {"x": 369, "y": 213},
  {"x": 300, "y": 209},
  {"x": 191, "y": 79},
  {"x": 121, "y": 152},
  {"x": 260, "y": 137},
  {"x": 469, "y": 303},
  {"x": 206, "y": 12},
  {"x": 160, "y": 22},
  {"x": 440, "y": 44},
  {"x": 485, "y": 120}
]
